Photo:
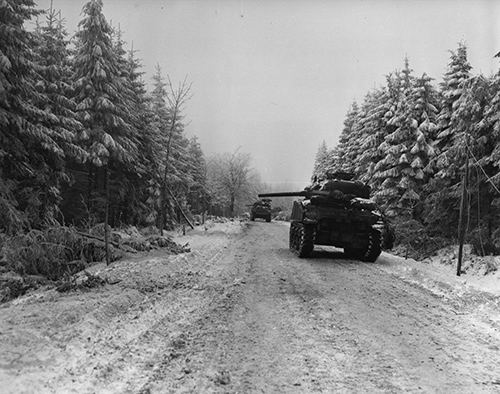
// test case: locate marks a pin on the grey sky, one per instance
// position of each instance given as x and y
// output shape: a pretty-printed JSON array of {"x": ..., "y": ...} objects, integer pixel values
[{"x": 277, "y": 77}]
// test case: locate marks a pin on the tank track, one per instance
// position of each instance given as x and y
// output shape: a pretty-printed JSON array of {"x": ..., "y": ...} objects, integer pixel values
[
  {"x": 372, "y": 251},
  {"x": 374, "y": 246},
  {"x": 301, "y": 239}
]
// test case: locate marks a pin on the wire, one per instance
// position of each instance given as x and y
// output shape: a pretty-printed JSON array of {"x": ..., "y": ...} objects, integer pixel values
[{"x": 482, "y": 169}]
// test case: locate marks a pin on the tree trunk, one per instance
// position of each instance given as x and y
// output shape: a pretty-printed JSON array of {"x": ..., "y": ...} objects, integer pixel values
[
  {"x": 461, "y": 224},
  {"x": 231, "y": 206},
  {"x": 163, "y": 193},
  {"x": 161, "y": 222},
  {"x": 106, "y": 214},
  {"x": 89, "y": 196}
]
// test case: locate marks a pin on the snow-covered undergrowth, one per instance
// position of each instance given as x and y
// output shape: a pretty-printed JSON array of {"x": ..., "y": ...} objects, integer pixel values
[
  {"x": 57, "y": 254},
  {"x": 438, "y": 273}
]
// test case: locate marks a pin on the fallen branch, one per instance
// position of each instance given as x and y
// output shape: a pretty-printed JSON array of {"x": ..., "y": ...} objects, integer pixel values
[{"x": 116, "y": 244}]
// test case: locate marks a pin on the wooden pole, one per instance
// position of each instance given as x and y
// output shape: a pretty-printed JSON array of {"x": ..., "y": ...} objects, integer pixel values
[
  {"x": 463, "y": 202},
  {"x": 106, "y": 214},
  {"x": 180, "y": 209}
]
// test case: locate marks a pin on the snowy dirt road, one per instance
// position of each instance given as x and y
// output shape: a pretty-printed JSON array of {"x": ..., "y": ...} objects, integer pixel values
[{"x": 241, "y": 313}]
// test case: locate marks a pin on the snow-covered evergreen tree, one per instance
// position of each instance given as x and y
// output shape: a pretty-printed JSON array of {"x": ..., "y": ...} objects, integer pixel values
[
  {"x": 397, "y": 192},
  {"x": 54, "y": 86},
  {"x": 321, "y": 161},
  {"x": 373, "y": 130},
  {"x": 443, "y": 190},
  {"x": 333, "y": 163},
  {"x": 448, "y": 139},
  {"x": 349, "y": 142},
  {"x": 167, "y": 104},
  {"x": 99, "y": 90},
  {"x": 425, "y": 101},
  {"x": 103, "y": 102},
  {"x": 198, "y": 194},
  {"x": 492, "y": 122},
  {"x": 26, "y": 136},
  {"x": 476, "y": 117},
  {"x": 382, "y": 160}
]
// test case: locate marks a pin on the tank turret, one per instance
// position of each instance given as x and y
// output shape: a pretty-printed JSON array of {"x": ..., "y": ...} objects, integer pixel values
[{"x": 337, "y": 212}]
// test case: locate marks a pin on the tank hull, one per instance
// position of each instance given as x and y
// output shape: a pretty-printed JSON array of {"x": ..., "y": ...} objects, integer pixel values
[
  {"x": 260, "y": 214},
  {"x": 358, "y": 231}
]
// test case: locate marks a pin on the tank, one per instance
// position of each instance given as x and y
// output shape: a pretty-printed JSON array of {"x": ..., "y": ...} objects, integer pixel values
[
  {"x": 261, "y": 209},
  {"x": 337, "y": 212}
]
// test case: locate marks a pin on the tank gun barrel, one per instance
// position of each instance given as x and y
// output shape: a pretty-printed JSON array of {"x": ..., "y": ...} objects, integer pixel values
[
  {"x": 302, "y": 193},
  {"x": 284, "y": 194}
]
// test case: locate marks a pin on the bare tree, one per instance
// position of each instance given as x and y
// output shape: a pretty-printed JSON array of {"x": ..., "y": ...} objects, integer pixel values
[
  {"x": 231, "y": 180},
  {"x": 176, "y": 98}
]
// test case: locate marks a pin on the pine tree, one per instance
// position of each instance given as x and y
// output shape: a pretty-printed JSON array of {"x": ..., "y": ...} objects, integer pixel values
[
  {"x": 477, "y": 118},
  {"x": 98, "y": 88},
  {"x": 398, "y": 194},
  {"x": 349, "y": 147},
  {"x": 320, "y": 163},
  {"x": 145, "y": 176},
  {"x": 128, "y": 180},
  {"x": 55, "y": 90},
  {"x": 373, "y": 130},
  {"x": 101, "y": 104},
  {"x": 382, "y": 159},
  {"x": 167, "y": 105},
  {"x": 443, "y": 190},
  {"x": 161, "y": 123},
  {"x": 425, "y": 101},
  {"x": 197, "y": 195},
  {"x": 26, "y": 140},
  {"x": 452, "y": 88},
  {"x": 333, "y": 161}
]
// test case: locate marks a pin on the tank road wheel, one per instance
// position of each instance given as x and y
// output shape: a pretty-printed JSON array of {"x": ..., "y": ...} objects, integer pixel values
[
  {"x": 301, "y": 239},
  {"x": 374, "y": 247}
]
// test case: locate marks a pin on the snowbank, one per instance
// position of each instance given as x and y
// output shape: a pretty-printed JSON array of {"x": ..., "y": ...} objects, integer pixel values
[{"x": 438, "y": 273}]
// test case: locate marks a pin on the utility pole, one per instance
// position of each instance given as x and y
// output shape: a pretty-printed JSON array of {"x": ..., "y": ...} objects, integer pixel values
[{"x": 461, "y": 218}]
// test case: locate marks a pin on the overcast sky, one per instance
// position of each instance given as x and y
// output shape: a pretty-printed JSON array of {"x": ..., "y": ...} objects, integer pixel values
[{"x": 277, "y": 77}]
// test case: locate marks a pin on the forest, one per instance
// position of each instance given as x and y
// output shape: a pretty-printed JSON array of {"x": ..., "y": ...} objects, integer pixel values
[
  {"x": 424, "y": 148},
  {"x": 82, "y": 139},
  {"x": 87, "y": 145},
  {"x": 88, "y": 141}
]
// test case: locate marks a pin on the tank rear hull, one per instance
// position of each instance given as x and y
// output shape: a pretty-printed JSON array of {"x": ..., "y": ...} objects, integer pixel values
[
  {"x": 357, "y": 231},
  {"x": 260, "y": 213}
]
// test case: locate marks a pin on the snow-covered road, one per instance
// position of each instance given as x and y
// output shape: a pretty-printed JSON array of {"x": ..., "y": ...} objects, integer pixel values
[{"x": 241, "y": 313}]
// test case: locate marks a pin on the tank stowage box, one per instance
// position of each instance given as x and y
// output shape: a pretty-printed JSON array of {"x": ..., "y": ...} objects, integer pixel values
[
  {"x": 261, "y": 209},
  {"x": 338, "y": 212}
]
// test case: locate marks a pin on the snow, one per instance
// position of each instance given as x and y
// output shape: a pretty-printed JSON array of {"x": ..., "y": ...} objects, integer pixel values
[
  {"x": 432, "y": 274},
  {"x": 441, "y": 278}
]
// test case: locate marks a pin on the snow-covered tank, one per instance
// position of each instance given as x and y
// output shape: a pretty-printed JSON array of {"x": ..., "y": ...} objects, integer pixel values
[
  {"x": 261, "y": 209},
  {"x": 338, "y": 212}
]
